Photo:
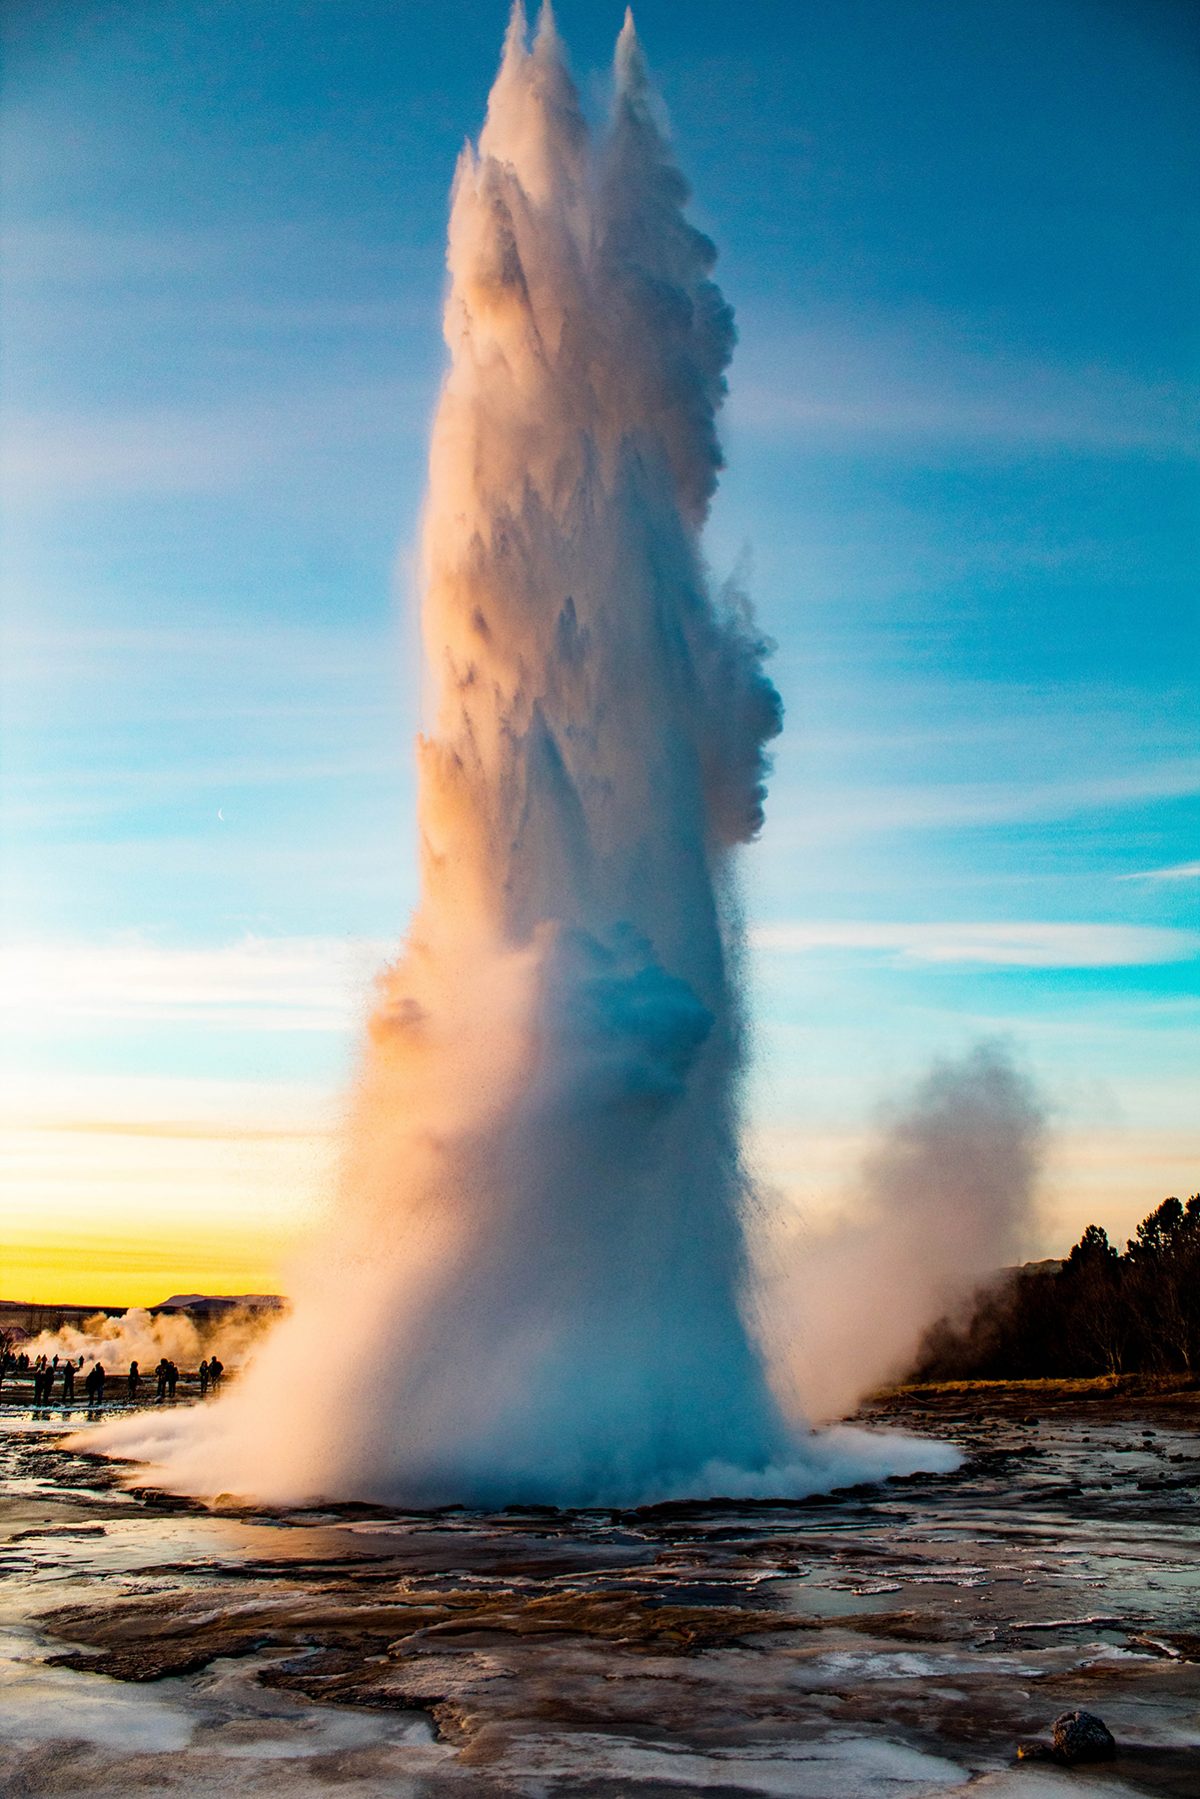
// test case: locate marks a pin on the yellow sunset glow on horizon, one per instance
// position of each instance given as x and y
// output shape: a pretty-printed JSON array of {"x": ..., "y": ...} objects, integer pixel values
[{"x": 124, "y": 1212}]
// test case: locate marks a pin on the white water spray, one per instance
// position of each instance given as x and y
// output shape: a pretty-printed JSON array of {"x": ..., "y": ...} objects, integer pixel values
[{"x": 535, "y": 1286}]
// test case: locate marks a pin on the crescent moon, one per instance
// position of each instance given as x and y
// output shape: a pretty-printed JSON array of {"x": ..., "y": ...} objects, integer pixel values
[{"x": 220, "y": 815}]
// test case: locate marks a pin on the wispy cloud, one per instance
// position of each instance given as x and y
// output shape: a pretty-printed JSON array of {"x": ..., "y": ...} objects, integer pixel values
[
  {"x": 47, "y": 253},
  {"x": 889, "y": 378},
  {"x": 951, "y": 805},
  {"x": 311, "y": 286},
  {"x": 294, "y": 984},
  {"x": 1001, "y": 945},
  {"x": 180, "y": 450},
  {"x": 166, "y": 1131},
  {"x": 137, "y": 1103},
  {"x": 1178, "y": 871},
  {"x": 47, "y": 260},
  {"x": 299, "y": 300},
  {"x": 56, "y": 797},
  {"x": 323, "y": 983}
]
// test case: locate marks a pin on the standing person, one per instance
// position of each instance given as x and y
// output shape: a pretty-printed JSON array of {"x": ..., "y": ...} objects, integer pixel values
[
  {"x": 95, "y": 1385},
  {"x": 134, "y": 1381},
  {"x": 160, "y": 1375},
  {"x": 68, "y": 1392},
  {"x": 172, "y": 1377},
  {"x": 203, "y": 1379},
  {"x": 216, "y": 1369}
]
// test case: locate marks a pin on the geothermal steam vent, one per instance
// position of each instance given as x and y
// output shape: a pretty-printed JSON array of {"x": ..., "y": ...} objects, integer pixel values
[{"x": 533, "y": 1288}]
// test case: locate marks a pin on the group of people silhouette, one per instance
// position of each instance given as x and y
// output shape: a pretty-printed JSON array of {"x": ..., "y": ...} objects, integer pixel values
[
  {"x": 45, "y": 1372},
  {"x": 48, "y": 1371}
]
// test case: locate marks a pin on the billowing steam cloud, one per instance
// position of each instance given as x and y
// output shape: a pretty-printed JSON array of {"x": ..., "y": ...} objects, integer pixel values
[
  {"x": 145, "y": 1337},
  {"x": 535, "y": 1283},
  {"x": 946, "y": 1198}
]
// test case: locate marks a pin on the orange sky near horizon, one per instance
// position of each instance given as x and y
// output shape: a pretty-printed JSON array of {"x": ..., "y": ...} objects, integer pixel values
[
  {"x": 127, "y": 1210},
  {"x": 116, "y": 1274},
  {"x": 127, "y": 1214}
]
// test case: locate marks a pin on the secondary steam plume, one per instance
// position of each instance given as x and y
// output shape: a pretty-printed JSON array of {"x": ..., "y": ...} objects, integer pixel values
[
  {"x": 145, "y": 1337},
  {"x": 946, "y": 1197},
  {"x": 535, "y": 1285}
]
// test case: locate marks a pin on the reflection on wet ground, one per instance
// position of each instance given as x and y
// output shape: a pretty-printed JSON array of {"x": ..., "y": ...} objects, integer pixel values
[{"x": 894, "y": 1640}]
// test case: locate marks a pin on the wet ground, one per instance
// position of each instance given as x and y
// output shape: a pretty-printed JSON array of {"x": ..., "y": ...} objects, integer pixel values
[{"x": 898, "y": 1640}]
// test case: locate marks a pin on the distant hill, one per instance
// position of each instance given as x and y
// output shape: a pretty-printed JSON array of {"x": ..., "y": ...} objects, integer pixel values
[{"x": 221, "y": 1302}]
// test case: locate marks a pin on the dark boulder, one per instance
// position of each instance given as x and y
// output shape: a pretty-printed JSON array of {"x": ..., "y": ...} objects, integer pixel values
[{"x": 1082, "y": 1737}]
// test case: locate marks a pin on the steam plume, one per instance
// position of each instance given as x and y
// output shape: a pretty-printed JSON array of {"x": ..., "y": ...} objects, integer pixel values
[
  {"x": 145, "y": 1337},
  {"x": 945, "y": 1200},
  {"x": 536, "y": 1278}
]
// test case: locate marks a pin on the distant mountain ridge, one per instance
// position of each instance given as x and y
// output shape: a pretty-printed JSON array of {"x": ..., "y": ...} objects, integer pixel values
[{"x": 211, "y": 1302}]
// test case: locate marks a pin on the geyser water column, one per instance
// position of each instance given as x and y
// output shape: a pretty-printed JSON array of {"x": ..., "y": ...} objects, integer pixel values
[
  {"x": 597, "y": 752},
  {"x": 532, "y": 1283}
]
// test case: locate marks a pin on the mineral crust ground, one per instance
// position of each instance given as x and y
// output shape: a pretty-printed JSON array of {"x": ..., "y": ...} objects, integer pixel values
[{"x": 899, "y": 1639}]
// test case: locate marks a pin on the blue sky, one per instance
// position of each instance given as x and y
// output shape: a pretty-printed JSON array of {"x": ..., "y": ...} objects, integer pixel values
[{"x": 962, "y": 489}]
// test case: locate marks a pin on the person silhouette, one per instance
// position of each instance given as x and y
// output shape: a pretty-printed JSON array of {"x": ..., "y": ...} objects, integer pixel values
[{"x": 134, "y": 1381}]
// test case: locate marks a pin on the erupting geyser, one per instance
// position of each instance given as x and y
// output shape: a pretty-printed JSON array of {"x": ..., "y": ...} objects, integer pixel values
[{"x": 534, "y": 1286}]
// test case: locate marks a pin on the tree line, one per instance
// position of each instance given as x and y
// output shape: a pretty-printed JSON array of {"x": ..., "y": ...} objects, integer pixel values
[{"x": 1101, "y": 1311}]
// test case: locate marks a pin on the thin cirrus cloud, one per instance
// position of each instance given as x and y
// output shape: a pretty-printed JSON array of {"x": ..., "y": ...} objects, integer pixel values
[
  {"x": 953, "y": 804},
  {"x": 323, "y": 983},
  {"x": 1001, "y": 945},
  {"x": 175, "y": 450},
  {"x": 881, "y": 380},
  {"x": 293, "y": 984},
  {"x": 1178, "y": 871},
  {"x": 94, "y": 792},
  {"x": 138, "y": 1103}
]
